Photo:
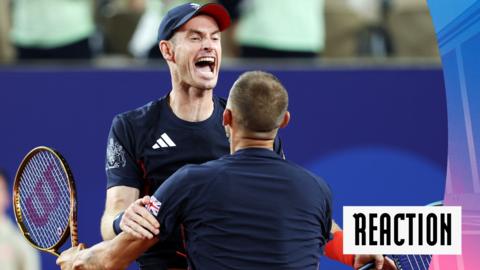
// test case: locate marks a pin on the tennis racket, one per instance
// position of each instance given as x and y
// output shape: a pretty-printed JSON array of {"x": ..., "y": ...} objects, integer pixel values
[{"x": 44, "y": 200}]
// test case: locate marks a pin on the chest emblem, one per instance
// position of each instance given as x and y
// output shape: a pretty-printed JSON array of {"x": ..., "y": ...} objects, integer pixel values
[{"x": 163, "y": 142}]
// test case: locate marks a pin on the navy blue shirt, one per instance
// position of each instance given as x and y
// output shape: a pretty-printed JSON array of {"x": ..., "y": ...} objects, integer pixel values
[
  {"x": 148, "y": 144},
  {"x": 249, "y": 210}
]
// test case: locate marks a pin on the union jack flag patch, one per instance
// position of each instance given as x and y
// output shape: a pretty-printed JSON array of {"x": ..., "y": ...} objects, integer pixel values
[{"x": 153, "y": 206}]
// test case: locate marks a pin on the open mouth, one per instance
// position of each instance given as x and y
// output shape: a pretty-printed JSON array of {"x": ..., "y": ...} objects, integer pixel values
[{"x": 206, "y": 64}]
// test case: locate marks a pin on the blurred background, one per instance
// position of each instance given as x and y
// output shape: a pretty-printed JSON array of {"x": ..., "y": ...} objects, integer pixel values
[
  {"x": 121, "y": 31},
  {"x": 364, "y": 77}
]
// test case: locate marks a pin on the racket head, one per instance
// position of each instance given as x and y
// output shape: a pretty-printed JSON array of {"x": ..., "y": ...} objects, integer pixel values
[{"x": 44, "y": 200}]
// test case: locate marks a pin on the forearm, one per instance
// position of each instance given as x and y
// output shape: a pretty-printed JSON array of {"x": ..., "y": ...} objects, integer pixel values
[
  {"x": 95, "y": 257},
  {"x": 117, "y": 253},
  {"x": 118, "y": 199},
  {"x": 107, "y": 223}
]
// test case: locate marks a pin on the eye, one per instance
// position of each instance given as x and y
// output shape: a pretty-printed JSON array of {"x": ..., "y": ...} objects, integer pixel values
[{"x": 195, "y": 38}]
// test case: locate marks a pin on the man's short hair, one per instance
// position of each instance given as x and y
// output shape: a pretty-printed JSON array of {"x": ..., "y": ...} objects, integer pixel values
[{"x": 259, "y": 101}]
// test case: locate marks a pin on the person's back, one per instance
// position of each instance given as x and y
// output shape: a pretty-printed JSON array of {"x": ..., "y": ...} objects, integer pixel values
[{"x": 249, "y": 210}]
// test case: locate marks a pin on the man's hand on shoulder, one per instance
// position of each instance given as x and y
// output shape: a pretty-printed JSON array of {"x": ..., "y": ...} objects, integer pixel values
[{"x": 138, "y": 221}]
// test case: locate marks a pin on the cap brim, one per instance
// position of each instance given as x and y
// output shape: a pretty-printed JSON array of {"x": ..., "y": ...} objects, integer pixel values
[{"x": 218, "y": 12}]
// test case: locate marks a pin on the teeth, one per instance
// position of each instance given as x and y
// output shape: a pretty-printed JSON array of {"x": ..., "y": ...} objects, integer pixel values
[{"x": 206, "y": 59}]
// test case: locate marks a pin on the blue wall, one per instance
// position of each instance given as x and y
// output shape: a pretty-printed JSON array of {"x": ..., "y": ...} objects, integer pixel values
[{"x": 378, "y": 136}]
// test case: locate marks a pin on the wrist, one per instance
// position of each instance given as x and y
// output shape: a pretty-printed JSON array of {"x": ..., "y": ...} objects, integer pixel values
[{"x": 116, "y": 223}]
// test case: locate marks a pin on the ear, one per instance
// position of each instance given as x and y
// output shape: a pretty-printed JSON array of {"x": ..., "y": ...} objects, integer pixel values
[
  {"x": 286, "y": 119},
  {"x": 166, "y": 48},
  {"x": 227, "y": 117}
]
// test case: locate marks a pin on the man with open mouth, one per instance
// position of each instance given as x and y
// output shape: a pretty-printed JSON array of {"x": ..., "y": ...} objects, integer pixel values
[{"x": 148, "y": 144}]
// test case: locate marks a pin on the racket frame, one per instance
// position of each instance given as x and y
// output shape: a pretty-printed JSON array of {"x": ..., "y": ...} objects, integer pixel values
[{"x": 72, "y": 229}]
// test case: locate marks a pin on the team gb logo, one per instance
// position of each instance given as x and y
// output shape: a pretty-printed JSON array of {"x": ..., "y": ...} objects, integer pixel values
[{"x": 153, "y": 206}]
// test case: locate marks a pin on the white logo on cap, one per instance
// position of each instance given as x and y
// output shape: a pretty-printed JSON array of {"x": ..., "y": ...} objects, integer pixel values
[{"x": 195, "y": 5}]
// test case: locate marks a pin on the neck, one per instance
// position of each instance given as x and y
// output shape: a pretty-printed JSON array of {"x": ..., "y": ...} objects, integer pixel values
[
  {"x": 191, "y": 104},
  {"x": 241, "y": 141},
  {"x": 252, "y": 143}
]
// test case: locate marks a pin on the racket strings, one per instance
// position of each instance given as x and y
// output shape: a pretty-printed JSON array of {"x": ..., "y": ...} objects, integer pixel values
[
  {"x": 413, "y": 262},
  {"x": 44, "y": 199}
]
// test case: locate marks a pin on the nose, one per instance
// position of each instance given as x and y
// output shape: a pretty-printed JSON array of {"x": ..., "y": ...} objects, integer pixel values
[{"x": 207, "y": 44}]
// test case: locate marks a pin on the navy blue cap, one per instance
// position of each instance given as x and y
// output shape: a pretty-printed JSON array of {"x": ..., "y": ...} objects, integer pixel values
[{"x": 178, "y": 16}]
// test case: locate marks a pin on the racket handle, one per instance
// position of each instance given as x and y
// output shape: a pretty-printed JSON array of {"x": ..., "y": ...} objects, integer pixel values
[
  {"x": 73, "y": 218},
  {"x": 74, "y": 232},
  {"x": 370, "y": 265}
]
